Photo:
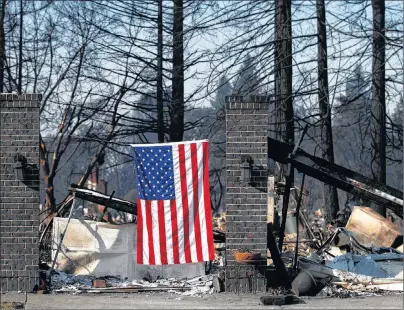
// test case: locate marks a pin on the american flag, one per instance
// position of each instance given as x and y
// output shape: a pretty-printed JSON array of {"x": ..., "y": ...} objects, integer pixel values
[{"x": 174, "y": 212}]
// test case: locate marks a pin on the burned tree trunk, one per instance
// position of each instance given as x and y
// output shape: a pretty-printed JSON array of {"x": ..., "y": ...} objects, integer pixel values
[
  {"x": 177, "y": 106},
  {"x": 2, "y": 45},
  {"x": 19, "y": 88},
  {"x": 49, "y": 189},
  {"x": 283, "y": 75},
  {"x": 378, "y": 115},
  {"x": 160, "y": 107},
  {"x": 50, "y": 171},
  {"x": 331, "y": 206}
]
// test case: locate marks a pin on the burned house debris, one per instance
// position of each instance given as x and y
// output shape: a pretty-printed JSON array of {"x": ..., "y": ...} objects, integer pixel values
[
  {"x": 303, "y": 253},
  {"x": 267, "y": 242}
]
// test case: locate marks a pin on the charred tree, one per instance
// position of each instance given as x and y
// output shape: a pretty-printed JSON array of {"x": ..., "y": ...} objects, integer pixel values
[
  {"x": 2, "y": 45},
  {"x": 378, "y": 111},
  {"x": 160, "y": 107},
  {"x": 177, "y": 105},
  {"x": 331, "y": 206},
  {"x": 283, "y": 76},
  {"x": 19, "y": 89}
]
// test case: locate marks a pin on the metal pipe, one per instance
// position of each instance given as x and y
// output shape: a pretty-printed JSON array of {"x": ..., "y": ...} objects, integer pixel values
[
  {"x": 297, "y": 221},
  {"x": 288, "y": 184}
]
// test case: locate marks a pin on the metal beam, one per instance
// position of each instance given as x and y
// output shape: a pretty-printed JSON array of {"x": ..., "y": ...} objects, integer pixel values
[
  {"x": 102, "y": 199},
  {"x": 337, "y": 176}
]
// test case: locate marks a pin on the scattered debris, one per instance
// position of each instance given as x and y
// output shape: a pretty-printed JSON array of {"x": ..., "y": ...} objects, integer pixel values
[
  {"x": 63, "y": 282},
  {"x": 340, "y": 292},
  {"x": 343, "y": 263},
  {"x": 278, "y": 290}
]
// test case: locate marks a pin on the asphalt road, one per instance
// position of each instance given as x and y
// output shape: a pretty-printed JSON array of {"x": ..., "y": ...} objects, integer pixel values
[{"x": 173, "y": 301}]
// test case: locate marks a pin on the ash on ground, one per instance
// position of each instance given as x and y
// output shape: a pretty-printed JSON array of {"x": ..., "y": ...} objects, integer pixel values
[
  {"x": 63, "y": 282},
  {"x": 340, "y": 292}
]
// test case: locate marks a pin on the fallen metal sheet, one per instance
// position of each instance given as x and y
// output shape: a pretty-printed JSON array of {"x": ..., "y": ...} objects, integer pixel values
[
  {"x": 367, "y": 266},
  {"x": 102, "y": 249},
  {"x": 379, "y": 257},
  {"x": 371, "y": 229},
  {"x": 394, "y": 269}
]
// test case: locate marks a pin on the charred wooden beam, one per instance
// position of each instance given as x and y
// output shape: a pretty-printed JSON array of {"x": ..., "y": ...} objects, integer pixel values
[
  {"x": 337, "y": 176},
  {"x": 283, "y": 276},
  {"x": 102, "y": 199},
  {"x": 219, "y": 236}
]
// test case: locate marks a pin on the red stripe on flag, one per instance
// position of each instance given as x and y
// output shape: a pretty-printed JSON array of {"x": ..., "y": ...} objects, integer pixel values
[
  {"x": 162, "y": 232},
  {"x": 185, "y": 210},
  {"x": 206, "y": 190},
  {"x": 195, "y": 186},
  {"x": 174, "y": 229},
  {"x": 139, "y": 233},
  {"x": 149, "y": 224}
]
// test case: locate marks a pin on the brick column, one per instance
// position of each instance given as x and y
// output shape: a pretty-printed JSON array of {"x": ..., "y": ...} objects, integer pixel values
[
  {"x": 19, "y": 207},
  {"x": 246, "y": 204}
]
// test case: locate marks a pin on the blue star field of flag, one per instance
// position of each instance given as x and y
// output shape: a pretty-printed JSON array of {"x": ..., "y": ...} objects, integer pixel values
[{"x": 154, "y": 172}]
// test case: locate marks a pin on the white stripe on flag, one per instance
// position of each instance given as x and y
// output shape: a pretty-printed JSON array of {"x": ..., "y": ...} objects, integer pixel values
[
  {"x": 202, "y": 215},
  {"x": 156, "y": 232},
  {"x": 178, "y": 199},
  {"x": 190, "y": 190},
  {"x": 145, "y": 245},
  {"x": 169, "y": 234}
]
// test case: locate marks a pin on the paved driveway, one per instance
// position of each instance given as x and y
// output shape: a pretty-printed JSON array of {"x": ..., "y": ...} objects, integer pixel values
[{"x": 173, "y": 301}]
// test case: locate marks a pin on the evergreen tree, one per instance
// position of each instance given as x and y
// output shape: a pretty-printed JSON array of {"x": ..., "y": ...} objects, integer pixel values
[
  {"x": 397, "y": 116},
  {"x": 224, "y": 89},
  {"x": 354, "y": 107},
  {"x": 247, "y": 81},
  {"x": 356, "y": 84},
  {"x": 397, "y": 125}
]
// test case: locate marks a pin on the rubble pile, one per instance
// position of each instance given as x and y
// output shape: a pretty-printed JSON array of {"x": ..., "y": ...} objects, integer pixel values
[
  {"x": 63, "y": 282},
  {"x": 198, "y": 287},
  {"x": 356, "y": 261},
  {"x": 290, "y": 245},
  {"x": 340, "y": 292},
  {"x": 343, "y": 263}
]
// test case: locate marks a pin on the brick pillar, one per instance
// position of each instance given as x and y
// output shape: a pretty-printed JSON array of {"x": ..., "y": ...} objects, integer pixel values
[
  {"x": 19, "y": 207},
  {"x": 246, "y": 204}
]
